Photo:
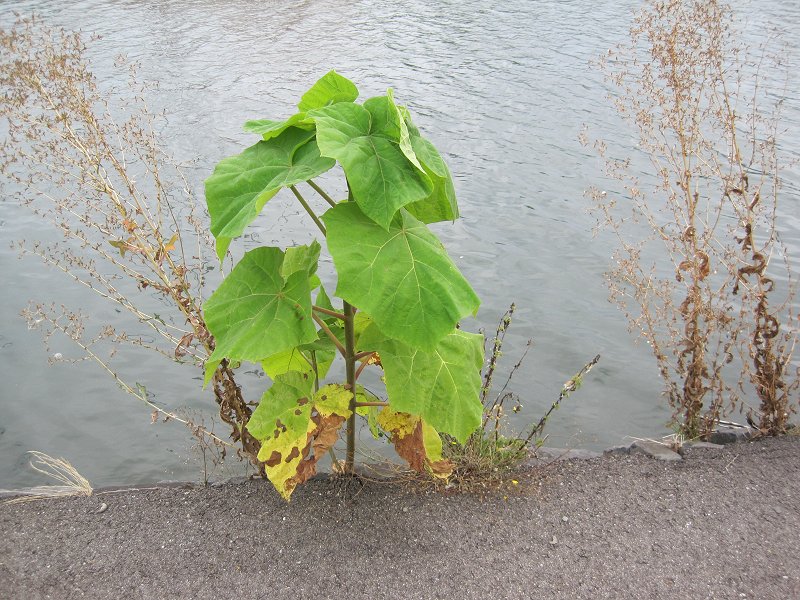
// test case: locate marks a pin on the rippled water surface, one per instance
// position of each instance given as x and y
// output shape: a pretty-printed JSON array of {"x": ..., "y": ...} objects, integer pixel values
[{"x": 502, "y": 89}]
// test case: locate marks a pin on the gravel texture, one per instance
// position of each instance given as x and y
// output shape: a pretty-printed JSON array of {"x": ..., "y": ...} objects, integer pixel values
[{"x": 722, "y": 523}]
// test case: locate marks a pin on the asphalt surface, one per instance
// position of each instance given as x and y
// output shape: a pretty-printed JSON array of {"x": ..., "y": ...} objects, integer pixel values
[{"x": 719, "y": 524}]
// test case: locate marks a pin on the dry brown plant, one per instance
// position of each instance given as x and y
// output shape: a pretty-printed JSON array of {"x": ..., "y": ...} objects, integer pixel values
[
  {"x": 698, "y": 243},
  {"x": 132, "y": 234}
]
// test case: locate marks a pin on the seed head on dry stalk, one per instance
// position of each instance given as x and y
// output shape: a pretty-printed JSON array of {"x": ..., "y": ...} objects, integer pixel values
[{"x": 696, "y": 232}]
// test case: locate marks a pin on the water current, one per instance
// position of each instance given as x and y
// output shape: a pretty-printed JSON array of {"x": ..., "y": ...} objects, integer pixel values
[{"x": 502, "y": 88}]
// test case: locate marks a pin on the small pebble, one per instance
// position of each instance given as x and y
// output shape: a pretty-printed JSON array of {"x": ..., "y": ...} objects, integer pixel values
[
  {"x": 554, "y": 541},
  {"x": 565, "y": 519},
  {"x": 102, "y": 508}
]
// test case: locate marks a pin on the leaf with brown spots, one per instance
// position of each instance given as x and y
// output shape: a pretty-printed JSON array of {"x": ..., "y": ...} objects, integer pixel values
[{"x": 297, "y": 427}]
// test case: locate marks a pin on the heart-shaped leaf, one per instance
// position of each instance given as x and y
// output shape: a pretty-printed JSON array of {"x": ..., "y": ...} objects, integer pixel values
[
  {"x": 282, "y": 423},
  {"x": 256, "y": 312},
  {"x": 241, "y": 185},
  {"x": 290, "y": 420},
  {"x": 441, "y": 386},
  {"x": 403, "y": 277},
  {"x": 366, "y": 142}
]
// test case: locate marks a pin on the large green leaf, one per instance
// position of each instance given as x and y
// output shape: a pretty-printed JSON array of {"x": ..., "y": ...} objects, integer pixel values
[
  {"x": 441, "y": 205},
  {"x": 402, "y": 277},
  {"x": 256, "y": 312},
  {"x": 366, "y": 142},
  {"x": 441, "y": 386},
  {"x": 241, "y": 185},
  {"x": 330, "y": 89},
  {"x": 268, "y": 129}
]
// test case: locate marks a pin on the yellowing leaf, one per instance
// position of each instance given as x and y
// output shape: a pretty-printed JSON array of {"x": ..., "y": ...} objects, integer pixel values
[
  {"x": 170, "y": 245},
  {"x": 399, "y": 423},
  {"x": 282, "y": 423},
  {"x": 297, "y": 427},
  {"x": 417, "y": 442},
  {"x": 333, "y": 399}
]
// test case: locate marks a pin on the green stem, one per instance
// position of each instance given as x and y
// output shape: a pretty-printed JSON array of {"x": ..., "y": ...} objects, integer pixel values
[
  {"x": 326, "y": 311},
  {"x": 361, "y": 367},
  {"x": 315, "y": 369},
  {"x": 322, "y": 193},
  {"x": 308, "y": 209},
  {"x": 350, "y": 367},
  {"x": 330, "y": 334},
  {"x": 569, "y": 387}
]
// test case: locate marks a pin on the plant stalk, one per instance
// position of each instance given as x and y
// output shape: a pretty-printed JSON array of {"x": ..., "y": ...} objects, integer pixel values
[
  {"x": 309, "y": 210},
  {"x": 330, "y": 313},
  {"x": 330, "y": 334},
  {"x": 322, "y": 193},
  {"x": 350, "y": 367}
]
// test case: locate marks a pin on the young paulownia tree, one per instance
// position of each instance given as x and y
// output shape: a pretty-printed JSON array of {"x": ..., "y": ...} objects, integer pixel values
[{"x": 400, "y": 296}]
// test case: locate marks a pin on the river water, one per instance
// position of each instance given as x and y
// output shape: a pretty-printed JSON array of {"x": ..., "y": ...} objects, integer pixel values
[{"x": 502, "y": 89}]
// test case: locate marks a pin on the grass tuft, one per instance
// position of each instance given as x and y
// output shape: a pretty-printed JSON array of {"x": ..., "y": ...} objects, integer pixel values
[
  {"x": 490, "y": 457},
  {"x": 72, "y": 482}
]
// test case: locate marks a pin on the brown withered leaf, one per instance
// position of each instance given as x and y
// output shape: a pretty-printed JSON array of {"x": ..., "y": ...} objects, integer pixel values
[
  {"x": 416, "y": 442},
  {"x": 183, "y": 344},
  {"x": 411, "y": 449},
  {"x": 321, "y": 440}
]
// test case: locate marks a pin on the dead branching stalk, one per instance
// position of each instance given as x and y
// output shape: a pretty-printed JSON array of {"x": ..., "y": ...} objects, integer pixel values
[
  {"x": 131, "y": 232},
  {"x": 698, "y": 248}
]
